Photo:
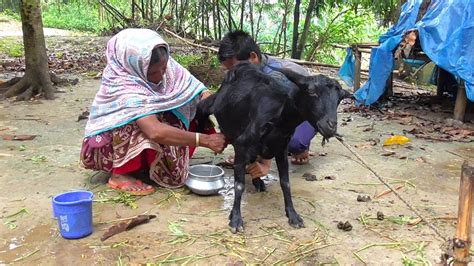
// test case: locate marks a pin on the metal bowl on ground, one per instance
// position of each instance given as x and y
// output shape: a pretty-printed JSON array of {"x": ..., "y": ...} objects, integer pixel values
[{"x": 205, "y": 179}]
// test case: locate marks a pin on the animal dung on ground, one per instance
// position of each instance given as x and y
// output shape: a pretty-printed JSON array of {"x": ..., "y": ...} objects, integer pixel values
[
  {"x": 310, "y": 177},
  {"x": 380, "y": 216},
  {"x": 363, "y": 198},
  {"x": 345, "y": 226},
  {"x": 388, "y": 153},
  {"x": 330, "y": 177},
  {"x": 83, "y": 116}
]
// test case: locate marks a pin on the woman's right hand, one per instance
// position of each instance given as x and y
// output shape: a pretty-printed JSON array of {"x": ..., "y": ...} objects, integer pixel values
[{"x": 215, "y": 142}]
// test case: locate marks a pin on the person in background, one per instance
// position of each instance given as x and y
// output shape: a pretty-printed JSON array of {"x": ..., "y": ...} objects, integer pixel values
[{"x": 238, "y": 46}]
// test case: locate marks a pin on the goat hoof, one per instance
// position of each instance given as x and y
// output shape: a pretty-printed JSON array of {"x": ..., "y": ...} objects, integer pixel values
[
  {"x": 296, "y": 221},
  {"x": 259, "y": 184},
  {"x": 239, "y": 229},
  {"x": 236, "y": 225}
]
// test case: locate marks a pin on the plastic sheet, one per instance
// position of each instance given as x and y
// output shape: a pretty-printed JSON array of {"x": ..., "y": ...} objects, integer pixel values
[{"x": 446, "y": 35}]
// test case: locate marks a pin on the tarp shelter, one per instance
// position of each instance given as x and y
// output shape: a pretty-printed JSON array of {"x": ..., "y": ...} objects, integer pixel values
[{"x": 446, "y": 34}]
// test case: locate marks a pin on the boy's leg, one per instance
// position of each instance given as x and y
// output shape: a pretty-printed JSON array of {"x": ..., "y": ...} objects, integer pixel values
[{"x": 300, "y": 142}]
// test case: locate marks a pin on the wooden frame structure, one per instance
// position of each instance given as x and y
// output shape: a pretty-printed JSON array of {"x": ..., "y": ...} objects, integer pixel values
[{"x": 359, "y": 48}]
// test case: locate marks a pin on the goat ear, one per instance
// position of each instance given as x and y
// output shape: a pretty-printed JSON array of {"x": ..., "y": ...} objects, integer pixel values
[
  {"x": 313, "y": 90},
  {"x": 294, "y": 77},
  {"x": 346, "y": 94}
]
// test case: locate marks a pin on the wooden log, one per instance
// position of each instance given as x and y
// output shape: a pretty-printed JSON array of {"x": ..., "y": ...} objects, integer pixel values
[
  {"x": 357, "y": 68},
  {"x": 462, "y": 240},
  {"x": 461, "y": 102},
  {"x": 389, "y": 86}
]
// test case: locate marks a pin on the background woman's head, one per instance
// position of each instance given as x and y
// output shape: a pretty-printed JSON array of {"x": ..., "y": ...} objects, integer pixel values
[{"x": 158, "y": 63}]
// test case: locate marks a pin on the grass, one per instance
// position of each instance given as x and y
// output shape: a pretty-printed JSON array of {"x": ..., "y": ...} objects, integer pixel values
[
  {"x": 187, "y": 60},
  {"x": 117, "y": 197},
  {"x": 8, "y": 15},
  {"x": 73, "y": 16},
  {"x": 12, "y": 218},
  {"x": 38, "y": 159},
  {"x": 11, "y": 46}
]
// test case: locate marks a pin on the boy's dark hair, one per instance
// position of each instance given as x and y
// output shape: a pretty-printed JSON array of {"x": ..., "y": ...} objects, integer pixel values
[
  {"x": 157, "y": 54},
  {"x": 238, "y": 44}
]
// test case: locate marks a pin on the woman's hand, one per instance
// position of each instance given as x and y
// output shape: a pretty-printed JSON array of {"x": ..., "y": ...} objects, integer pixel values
[
  {"x": 259, "y": 168},
  {"x": 205, "y": 94},
  {"x": 215, "y": 142}
]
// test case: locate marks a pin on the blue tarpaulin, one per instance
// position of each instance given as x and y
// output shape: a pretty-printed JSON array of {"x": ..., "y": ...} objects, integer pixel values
[
  {"x": 347, "y": 69},
  {"x": 446, "y": 34}
]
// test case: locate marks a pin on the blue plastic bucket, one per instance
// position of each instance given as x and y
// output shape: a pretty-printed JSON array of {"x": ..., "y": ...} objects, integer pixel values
[{"x": 74, "y": 213}]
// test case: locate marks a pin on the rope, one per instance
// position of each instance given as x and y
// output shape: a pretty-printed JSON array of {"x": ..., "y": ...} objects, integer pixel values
[{"x": 430, "y": 225}]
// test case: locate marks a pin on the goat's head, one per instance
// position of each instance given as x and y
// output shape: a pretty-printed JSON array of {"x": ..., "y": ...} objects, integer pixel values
[{"x": 320, "y": 97}]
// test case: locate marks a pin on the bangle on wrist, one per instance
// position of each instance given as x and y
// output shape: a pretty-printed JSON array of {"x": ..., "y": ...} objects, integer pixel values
[{"x": 197, "y": 139}]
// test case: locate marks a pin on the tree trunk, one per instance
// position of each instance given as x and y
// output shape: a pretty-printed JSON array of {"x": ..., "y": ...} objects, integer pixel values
[
  {"x": 304, "y": 34},
  {"x": 242, "y": 9},
  {"x": 208, "y": 29},
  {"x": 133, "y": 10},
  {"x": 284, "y": 25},
  {"x": 202, "y": 20},
  {"x": 229, "y": 14},
  {"x": 251, "y": 19},
  {"x": 219, "y": 25},
  {"x": 258, "y": 21},
  {"x": 214, "y": 22},
  {"x": 37, "y": 78},
  {"x": 296, "y": 22}
]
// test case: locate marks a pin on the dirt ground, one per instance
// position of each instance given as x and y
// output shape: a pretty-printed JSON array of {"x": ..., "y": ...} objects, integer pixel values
[{"x": 193, "y": 229}]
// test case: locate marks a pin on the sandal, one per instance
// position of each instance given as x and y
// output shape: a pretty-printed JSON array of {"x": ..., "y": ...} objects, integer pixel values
[{"x": 123, "y": 185}]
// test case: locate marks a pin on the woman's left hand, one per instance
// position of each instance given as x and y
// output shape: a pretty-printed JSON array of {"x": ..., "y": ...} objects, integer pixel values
[{"x": 205, "y": 94}]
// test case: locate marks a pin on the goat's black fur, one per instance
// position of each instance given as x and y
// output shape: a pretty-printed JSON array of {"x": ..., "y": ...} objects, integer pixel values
[{"x": 258, "y": 114}]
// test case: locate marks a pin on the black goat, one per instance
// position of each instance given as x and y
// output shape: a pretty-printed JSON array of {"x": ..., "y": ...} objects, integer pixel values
[{"x": 258, "y": 114}]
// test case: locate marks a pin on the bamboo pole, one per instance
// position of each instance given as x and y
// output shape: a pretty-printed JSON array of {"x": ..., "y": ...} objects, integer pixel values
[
  {"x": 462, "y": 240},
  {"x": 358, "y": 63}
]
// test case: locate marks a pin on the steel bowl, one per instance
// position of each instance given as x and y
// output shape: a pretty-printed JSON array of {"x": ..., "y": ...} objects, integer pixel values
[{"x": 205, "y": 179}]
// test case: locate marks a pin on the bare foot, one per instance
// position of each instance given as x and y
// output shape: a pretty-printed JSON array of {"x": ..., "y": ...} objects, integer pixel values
[
  {"x": 129, "y": 185},
  {"x": 300, "y": 158}
]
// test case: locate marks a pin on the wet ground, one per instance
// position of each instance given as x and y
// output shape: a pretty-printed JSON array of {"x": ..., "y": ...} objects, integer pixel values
[{"x": 193, "y": 229}]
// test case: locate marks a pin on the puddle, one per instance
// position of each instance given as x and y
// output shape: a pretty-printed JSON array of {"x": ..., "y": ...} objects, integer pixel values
[
  {"x": 18, "y": 246},
  {"x": 228, "y": 191}
]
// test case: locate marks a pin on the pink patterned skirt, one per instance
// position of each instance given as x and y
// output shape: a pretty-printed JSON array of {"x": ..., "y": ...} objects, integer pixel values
[{"x": 115, "y": 148}]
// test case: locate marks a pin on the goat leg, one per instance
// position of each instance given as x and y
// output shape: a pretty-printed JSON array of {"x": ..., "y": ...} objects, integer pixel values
[
  {"x": 236, "y": 223},
  {"x": 282, "y": 163},
  {"x": 259, "y": 184}
]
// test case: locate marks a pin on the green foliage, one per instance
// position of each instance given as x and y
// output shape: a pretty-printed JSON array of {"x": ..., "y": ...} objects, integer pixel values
[
  {"x": 187, "y": 59},
  {"x": 333, "y": 22},
  {"x": 11, "y": 47},
  {"x": 7, "y": 15},
  {"x": 73, "y": 16},
  {"x": 338, "y": 26}
]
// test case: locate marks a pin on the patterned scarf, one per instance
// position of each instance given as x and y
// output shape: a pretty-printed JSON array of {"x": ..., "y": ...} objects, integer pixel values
[{"x": 125, "y": 94}]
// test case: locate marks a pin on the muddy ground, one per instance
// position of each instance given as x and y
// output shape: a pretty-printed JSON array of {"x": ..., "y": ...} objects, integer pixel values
[{"x": 193, "y": 229}]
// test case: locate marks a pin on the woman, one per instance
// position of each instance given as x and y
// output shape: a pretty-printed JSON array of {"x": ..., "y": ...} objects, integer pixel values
[{"x": 140, "y": 116}]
